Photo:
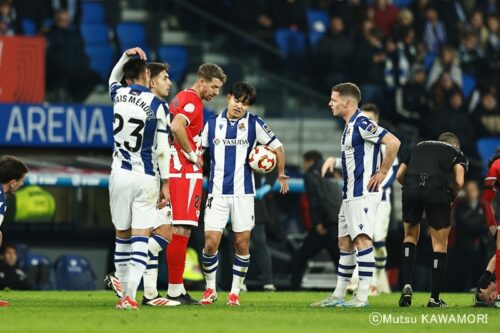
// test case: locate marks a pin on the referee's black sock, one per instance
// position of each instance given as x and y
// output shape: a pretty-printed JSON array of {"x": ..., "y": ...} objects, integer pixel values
[
  {"x": 439, "y": 263},
  {"x": 484, "y": 280},
  {"x": 409, "y": 255}
]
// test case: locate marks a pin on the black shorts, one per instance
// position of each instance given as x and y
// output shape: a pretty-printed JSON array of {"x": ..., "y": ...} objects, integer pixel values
[{"x": 416, "y": 199}]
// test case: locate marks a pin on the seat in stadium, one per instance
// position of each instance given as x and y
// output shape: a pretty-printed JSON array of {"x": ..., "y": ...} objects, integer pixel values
[
  {"x": 177, "y": 57},
  {"x": 74, "y": 272},
  {"x": 38, "y": 269},
  {"x": 101, "y": 59},
  {"x": 318, "y": 23},
  {"x": 29, "y": 27},
  {"x": 402, "y": 3},
  {"x": 468, "y": 85},
  {"x": 486, "y": 148},
  {"x": 132, "y": 35},
  {"x": 96, "y": 33},
  {"x": 92, "y": 12},
  {"x": 290, "y": 42},
  {"x": 429, "y": 58}
]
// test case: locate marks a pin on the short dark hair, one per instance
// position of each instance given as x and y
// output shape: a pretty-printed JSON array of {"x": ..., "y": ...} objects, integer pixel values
[
  {"x": 348, "y": 89},
  {"x": 312, "y": 155},
  {"x": 156, "y": 68},
  {"x": 370, "y": 107},
  {"x": 244, "y": 91},
  {"x": 210, "y": 71},
  {"x": 134, "y": 68},
  {"x": 450, "y": 138},
  {"x": 11, "y": 168},
  {"x": 495, "y": 157}
]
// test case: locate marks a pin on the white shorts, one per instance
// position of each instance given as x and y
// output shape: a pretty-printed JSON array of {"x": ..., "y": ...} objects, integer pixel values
[
  {"x": 163, "y": 216},
  {"x": 382, "y": 221},
  {"x": 358, "y": 216},
  {"x": 218, "y": 209},
  {"x": 132, "y": 199}
]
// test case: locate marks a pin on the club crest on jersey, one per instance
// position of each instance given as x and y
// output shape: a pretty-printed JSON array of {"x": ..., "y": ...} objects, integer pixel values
[
  {"x": 189, "y": 107},
  {"x": 242, "y": 126}
]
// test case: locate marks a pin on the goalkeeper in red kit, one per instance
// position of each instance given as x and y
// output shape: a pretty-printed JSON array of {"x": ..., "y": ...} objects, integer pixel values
[{"x": 491, "y": 183}]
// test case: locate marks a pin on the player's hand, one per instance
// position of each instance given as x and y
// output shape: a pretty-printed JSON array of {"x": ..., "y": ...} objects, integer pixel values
[
  {"x": 493, "y": 229},
  {"x": 321, "y": 230},
  {"x": 283, "y": 179},
  {"x": 138, "y": 51},
  {"x": 199, "y": 163},
  {"x": 376, "y": 180},
  {"x": 164, "y": 195},
  {"x": 327, "y": 166}
]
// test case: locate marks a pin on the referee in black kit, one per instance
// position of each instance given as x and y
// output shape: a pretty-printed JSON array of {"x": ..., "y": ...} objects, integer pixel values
[{"x": 432, "y": 175}]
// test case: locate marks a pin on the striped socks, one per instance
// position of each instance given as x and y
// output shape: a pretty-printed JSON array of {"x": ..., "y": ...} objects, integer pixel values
[
  {"x": 156, "y": 244},
  {"x": 366, "y": 266},
  {"x": 240, "y": 268},
  {"x": 137, "y": 264},
  {"x": 380, "y": 255},
  {"x": 347, "y": 264},
  {"x": 122, "y": 258},
  {"x": 210, "y": 264}
]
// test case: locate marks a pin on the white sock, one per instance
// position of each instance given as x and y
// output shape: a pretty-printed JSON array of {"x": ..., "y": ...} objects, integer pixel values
[
  {"x": 240, "y": 268},
  {"x": 155, "y": 245},
  {"x": 175, "y": 290},
  {"x": 137, "y": 264},
  {"x": 210, "y": 264},
  {"x": 122, "y": 258},
  {"x": 366, "y": 263},
  {"x": 347, "y": 263}
]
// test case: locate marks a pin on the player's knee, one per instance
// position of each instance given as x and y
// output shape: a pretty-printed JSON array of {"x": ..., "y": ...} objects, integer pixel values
[
  {"x": 362, "y": 242},
  {"x": 242, "y": 246},
  {"x": 124, "y": 234},
  {"x": 182, "y": 231},
  {"x": 164, "y": 231}
]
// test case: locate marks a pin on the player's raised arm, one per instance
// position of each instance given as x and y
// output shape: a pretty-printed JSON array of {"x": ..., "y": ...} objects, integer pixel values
[{"x": 117, "y": 72}]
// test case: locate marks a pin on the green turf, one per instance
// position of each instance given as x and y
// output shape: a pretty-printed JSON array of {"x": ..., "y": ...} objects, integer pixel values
[{"x": 260, "y": 312}]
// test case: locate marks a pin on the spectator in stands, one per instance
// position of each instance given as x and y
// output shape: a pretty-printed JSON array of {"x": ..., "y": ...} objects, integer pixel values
[
  {"x": 385, "y": 15},
  {"x": 412, "y": 103},
  {"x": 478, "y": 27},
  {"x": 333, "y": 55},
  {"x": 453, "y": 16},
  {"x": 11, "y": 276},
  {"x": 418, "y": 8},
  {"x": 369, "y": 63},
  {"x": 489, "y": 7},
  {"x": 288, "y": 14},
  {"x": 442, "y": 90},
  {"x": 487, "y": 115},
  {"x": 324, "y": 197},
  {"x": 472, "y": 60},
  {"x": 9, "y": 25},
  {"x": 447, "y": 61},
  {"x": 434, "y": 34},
  {"x": 68, "y": 69},
  {"x": 472, "y": 237},
  {"x": 73, "y": 7},
  {"x": 402, "y": 25},
  {"x": 492, "y": 46},
  {"x": 401, "y": 56}
]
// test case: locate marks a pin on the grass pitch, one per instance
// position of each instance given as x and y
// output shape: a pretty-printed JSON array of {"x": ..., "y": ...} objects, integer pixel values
[{"x": 51, "y": 312}]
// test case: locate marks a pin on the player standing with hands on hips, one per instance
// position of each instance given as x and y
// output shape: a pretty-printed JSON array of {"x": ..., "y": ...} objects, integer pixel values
[
  {"x": 363, "y": 174},
  {"x": 229, "y": 138},
  {"x": 186, "y": 177}
]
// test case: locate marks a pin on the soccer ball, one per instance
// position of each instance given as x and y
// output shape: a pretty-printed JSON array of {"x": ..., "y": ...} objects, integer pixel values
[{"x": 262, "y": 159}]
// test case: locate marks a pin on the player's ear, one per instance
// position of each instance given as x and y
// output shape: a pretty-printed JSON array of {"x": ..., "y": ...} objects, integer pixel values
[{"x": 228, "y": 97}]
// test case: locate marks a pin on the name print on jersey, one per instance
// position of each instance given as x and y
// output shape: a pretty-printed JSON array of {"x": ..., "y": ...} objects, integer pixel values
[{"x": 137, "y": 101}]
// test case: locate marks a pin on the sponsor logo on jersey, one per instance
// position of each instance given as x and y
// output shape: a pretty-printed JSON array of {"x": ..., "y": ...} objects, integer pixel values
[
  {"x": 189, "y": 107},
  {"x": 231, "y": 142}
]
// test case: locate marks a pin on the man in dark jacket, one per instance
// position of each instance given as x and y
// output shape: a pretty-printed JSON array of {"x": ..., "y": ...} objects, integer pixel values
[
  {"x": 11, "y": 276},
  {"x": 325, "y": 198}
]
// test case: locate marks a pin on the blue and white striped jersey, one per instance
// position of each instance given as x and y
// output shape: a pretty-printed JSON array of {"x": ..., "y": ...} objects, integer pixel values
[
  {"x": 138, "y": 117},
  {"x": 361, "y": 141},
  {"x": 391, "y": 175},
  {"x": 229, "y": 143},
  {"x": 3, "y": 204}
]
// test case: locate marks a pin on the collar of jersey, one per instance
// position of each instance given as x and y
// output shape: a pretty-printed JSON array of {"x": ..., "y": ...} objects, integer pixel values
[
  {"x": 139, "y": 87},
  {"x": 354, "y": 115},
  {"x": 224, "y": 115}
]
